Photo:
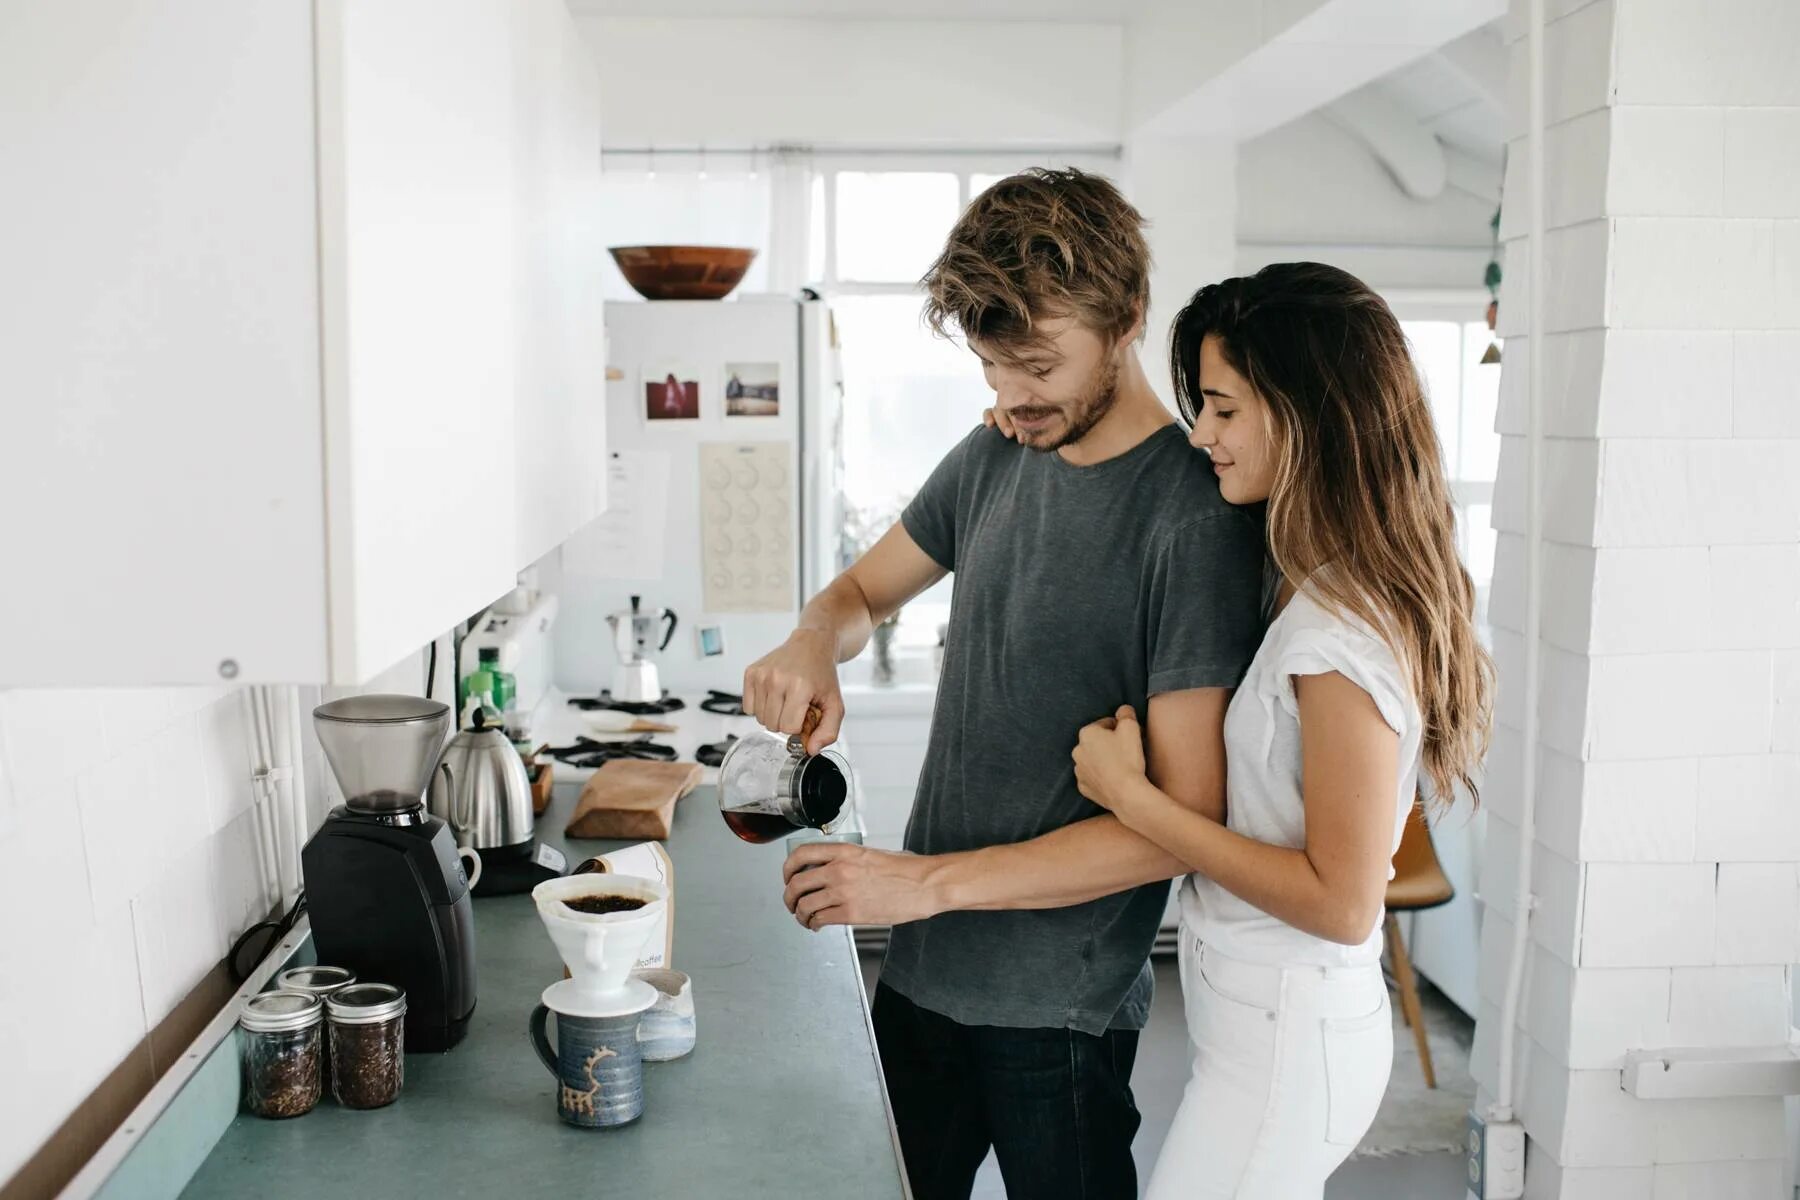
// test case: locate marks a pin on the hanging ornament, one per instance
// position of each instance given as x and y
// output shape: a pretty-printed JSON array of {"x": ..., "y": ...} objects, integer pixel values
[{"x": 1491, "y": 278}]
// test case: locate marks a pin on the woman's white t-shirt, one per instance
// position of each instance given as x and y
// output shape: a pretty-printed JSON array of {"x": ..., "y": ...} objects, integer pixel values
[{"x": 1262, "y": 775}]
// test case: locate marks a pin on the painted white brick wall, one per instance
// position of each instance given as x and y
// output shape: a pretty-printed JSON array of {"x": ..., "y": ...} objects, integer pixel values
[
  {"x": 1648, "y": 706},
  {"x": 1786, "y": 734},
  {"x": 1575, "y": 280},
  {"x": 1724, "y": 1006},
  {"x": 1669, "y": 162},
  {"x": 1752, "y": 809},
  {"x": 1753, "y": 1180},
  {"x": 1623, "y": 383},
  {"x": 1607, "y": 1127},
  {"x": 1547, "y": 1179},
  {"x": 1757, "y": 919},
  {"x": 1614, "y": 1012},
  {"x": 1694, "y": 493},
  {"x": 1737, "y": 53},
  {"x": 1650, "y": 599},
  {"x": 1571, "y": 491},
  {"x": 1571, "y": 383},
  {"x": 1765, "y": 381},
  {"x": 1761, "y": 170},
  {"x": 1691, "y": 273},
  {"x": 1568, "y": 591},
  {"x": 1755, "y": 601},
  {"x": 1658, "y": 383},
  {"x": 132, "y": 846},
  {"x": 1669, "y": 770},
  {"x": 1560, "y": 802},
  {"x": 1785, "y": 312},
  {"x": 1575, "y": 174},
  {"x": 1733, "y": 1180},
  {"x": 1648, "y": 915},
  {"x": 1573, "y": 47},
  {"x": 1562, "y": 702},
  {"x": 1639, "y": 811}
]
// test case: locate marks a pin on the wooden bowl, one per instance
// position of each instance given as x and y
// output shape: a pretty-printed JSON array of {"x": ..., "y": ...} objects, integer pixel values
[{"x": 682, "y": 272}]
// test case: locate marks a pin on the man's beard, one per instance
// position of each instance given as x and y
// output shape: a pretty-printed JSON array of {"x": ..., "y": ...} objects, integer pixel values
[{"x": 1087, "y": 411}]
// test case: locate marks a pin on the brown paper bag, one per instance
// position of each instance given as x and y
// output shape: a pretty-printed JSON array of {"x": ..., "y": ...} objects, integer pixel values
[
  {"x": 646, "y": 860},
  {"x": 632, "y": 798}
]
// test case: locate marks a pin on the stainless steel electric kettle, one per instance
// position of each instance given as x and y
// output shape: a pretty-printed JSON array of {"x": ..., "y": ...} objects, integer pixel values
[{"x": 480, "y": 789}]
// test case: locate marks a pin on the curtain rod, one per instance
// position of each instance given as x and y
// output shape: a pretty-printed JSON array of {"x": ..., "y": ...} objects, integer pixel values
[{"x": 1108, "y": 151}]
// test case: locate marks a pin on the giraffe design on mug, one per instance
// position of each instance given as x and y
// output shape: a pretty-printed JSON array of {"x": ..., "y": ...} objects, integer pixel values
[{"x": 583, "y": 1101}]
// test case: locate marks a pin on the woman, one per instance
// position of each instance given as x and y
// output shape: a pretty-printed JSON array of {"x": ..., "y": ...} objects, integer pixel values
[{"x": 1368, "y": 684}]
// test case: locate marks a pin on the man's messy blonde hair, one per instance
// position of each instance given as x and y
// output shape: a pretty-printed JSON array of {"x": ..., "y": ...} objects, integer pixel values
[{"x": 1037, "y": 246}]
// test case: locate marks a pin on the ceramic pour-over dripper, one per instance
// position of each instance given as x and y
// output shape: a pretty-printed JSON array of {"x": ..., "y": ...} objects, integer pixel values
[{"x": 600, "y": 949}]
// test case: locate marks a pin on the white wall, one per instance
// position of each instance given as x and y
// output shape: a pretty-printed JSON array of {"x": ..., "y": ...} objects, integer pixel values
[
  {"x": 858, "y": 83},
  {"x": 128, "y": 865}
]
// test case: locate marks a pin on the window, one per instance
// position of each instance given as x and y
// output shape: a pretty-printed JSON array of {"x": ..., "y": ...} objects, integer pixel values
[
  {"x": 891, "y": 224},
  {"x": 877, "y": 222},
  {"x": 1464, "y": 394}
]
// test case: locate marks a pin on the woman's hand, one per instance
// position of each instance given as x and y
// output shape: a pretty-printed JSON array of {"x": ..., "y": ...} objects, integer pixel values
[
  {"x": 996, "y": 418},
  {"x": 1109, "y": 760}
]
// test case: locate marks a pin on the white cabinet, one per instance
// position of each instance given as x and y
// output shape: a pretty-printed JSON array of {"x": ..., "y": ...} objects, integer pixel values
[{"x": 300, "y": 333}]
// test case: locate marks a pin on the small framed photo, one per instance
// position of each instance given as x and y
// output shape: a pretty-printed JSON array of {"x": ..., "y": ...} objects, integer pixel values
[
  {"x": 671, "y": 393},
  {"x": 752, "y": 389}
]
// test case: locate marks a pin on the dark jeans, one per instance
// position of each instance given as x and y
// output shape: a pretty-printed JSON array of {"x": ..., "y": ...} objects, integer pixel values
[{"x": 1054, "y": 1104}]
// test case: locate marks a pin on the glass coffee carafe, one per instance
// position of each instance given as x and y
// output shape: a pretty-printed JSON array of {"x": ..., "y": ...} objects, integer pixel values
[{"x": 769, "y": 786}]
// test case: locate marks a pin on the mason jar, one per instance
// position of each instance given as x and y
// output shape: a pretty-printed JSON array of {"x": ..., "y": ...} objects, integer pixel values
[
  {"x": 368, "y": 1036},
  {"x": 318, "y": 981},
  {"x": 281, "y": 1038}
]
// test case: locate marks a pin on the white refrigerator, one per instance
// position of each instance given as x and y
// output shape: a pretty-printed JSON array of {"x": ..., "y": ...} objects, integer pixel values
[{"x": 722, "y": 443}]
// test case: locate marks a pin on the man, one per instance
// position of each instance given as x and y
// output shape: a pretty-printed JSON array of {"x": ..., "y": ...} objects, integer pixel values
[{"x": 1096, "y": 566}]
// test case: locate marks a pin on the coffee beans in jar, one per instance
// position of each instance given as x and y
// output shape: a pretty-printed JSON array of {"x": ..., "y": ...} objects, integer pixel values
[
  {"x": 318, "y": 981},
  {"x": 368, "y": 1027},
  {"x": 280, "y": 1034}
]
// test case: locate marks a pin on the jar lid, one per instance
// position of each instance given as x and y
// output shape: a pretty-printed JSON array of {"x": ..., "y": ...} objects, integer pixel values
[
  {"x": 280, "y": 1012},
  {"x": 365, "y": 1004},
  {"x": 317, "y": 981}
]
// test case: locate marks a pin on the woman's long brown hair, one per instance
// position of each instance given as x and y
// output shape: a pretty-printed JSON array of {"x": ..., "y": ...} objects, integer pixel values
[{"x": 1359, "y": 508}]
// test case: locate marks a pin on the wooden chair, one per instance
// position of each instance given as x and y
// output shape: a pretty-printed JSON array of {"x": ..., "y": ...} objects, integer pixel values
[{"x": 1419, "y": 883}]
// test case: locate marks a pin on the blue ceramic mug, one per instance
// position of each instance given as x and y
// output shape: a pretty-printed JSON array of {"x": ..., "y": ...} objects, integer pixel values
[{"x": 598, "y": 1066}]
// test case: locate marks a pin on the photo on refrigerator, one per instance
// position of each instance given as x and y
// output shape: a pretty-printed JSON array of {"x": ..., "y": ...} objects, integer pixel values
[
  {"x": 671, "y": 393},
  {"x": 752, "y": 389}
]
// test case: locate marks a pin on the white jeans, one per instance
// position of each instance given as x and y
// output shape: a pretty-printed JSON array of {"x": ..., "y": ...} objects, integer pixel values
[{"x": 1290, "y": 1064}]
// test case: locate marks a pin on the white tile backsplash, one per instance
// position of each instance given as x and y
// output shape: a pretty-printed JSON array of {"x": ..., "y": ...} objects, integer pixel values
[
  {"x": 130, "y": 840},
  {"x": 225, "y": 728}
]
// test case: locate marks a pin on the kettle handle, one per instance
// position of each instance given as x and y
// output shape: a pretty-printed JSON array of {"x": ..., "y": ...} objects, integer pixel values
[
  {"x": 668, "y": 630},
  {"x": 456, "y": 810}
]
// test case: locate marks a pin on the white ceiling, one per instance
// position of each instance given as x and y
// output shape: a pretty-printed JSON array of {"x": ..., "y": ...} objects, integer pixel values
[
  {"x": 1454, "y": 94},
  {"x": 1460, "y": 106}
]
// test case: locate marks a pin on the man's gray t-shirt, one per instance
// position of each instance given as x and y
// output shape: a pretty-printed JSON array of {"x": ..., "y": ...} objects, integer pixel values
[{"x": 1077, "y": 589}]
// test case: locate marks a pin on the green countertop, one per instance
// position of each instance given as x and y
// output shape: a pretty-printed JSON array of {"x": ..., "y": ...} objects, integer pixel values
[{"x": 781, "y": 1097}]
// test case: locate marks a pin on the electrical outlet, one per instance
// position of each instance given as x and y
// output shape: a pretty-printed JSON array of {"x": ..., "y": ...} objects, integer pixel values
[{"x": 1496, "y": 1159}]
